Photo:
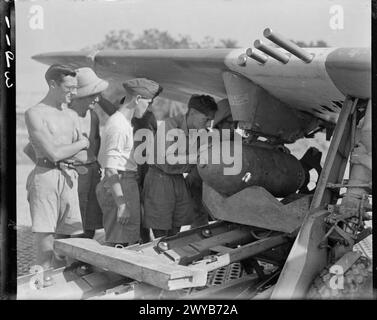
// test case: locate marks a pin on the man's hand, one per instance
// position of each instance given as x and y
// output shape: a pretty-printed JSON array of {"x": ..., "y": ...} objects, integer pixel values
[
  {"x": 86, "y": 142},
  {"x": 123, "y": 214},
  {"x": 83, "y": 139}
]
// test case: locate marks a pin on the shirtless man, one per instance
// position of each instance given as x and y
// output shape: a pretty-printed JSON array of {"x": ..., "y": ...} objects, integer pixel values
[{"x": 55, "y": 136}]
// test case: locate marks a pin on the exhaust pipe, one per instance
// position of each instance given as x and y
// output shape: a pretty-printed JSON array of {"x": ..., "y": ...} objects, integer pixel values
[
  {"x": 254, "y": 54},
  {"x": 288, "y": 45},
  {"x": 272, "y": 52}
]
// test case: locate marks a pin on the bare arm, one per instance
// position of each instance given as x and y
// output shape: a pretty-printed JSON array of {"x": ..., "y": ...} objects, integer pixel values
[
  {"x": 106, "y": 105},
  {"x": 96, "y": 135},
  {"x": 53, "y": 151},
  {"x": 116, "y": 190},
  {"x": 29, "y": 151}
]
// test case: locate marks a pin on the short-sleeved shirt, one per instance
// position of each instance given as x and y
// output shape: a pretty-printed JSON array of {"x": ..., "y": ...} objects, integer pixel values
[
  {"x": 117, "y": 143},
  {"x": 177, "y": 122}
]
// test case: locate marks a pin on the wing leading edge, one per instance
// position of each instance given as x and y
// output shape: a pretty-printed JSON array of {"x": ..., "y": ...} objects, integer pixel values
[{"x": 317, "y": 87}]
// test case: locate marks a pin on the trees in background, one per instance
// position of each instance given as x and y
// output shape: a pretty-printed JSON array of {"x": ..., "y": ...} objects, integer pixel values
[
  {"x": 311, "y": 44},
  {"x": 156, "y": 39}
]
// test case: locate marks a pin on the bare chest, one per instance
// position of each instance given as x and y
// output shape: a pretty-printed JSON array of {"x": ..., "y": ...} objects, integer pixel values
[
  {"x": 86, "y": 123},
  {"x": 61, "y": 126}
]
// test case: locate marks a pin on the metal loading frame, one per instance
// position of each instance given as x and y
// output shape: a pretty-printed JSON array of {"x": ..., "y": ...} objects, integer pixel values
[{"x": 143, "y": 263}]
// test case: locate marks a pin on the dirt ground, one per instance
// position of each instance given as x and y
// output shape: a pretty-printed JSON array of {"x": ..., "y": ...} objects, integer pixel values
[{"x": 25, "y": 251}]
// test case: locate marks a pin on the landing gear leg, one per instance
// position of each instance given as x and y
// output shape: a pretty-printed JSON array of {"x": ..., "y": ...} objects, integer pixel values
[{"x": 307, "y": 258}]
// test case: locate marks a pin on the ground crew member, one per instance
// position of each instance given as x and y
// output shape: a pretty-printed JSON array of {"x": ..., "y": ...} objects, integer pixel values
[
  {"x": 118, "y": 193},
  {"x": 88, "y": 91},
  {"x": 54, "y": 133},
  {"x": 167, "y": 203},
  {"x": 222, "y": 120},
  {"x": 87, "y": 95},
  {"x": 148, "y": 121}
]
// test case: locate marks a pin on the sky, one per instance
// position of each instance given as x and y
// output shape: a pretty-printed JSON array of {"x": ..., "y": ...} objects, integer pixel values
[{"x": 74, "y": 24}]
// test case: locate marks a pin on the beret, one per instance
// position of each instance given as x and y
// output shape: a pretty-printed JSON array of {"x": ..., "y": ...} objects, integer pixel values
[{"x": 146, "y": 88}]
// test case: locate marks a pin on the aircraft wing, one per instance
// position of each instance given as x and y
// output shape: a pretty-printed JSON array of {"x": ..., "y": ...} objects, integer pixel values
[{"x": 318, "y": 87}]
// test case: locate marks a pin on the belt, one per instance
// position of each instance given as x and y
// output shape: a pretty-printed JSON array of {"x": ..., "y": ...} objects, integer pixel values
[
  {"x": 44, "y": 162},
  {"x": 128, "y": 173},
  {"x": 159, "y": 170},
  {"x": 79, "y": 164}
]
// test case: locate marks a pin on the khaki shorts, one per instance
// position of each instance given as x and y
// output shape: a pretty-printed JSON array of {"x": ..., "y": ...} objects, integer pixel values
[
  {"x": 53, "y": 201},
  {"x": 167, "y": 202}
]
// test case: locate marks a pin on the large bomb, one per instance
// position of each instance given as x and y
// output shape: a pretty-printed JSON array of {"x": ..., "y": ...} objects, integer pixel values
[{"x": 278, "y": 172}]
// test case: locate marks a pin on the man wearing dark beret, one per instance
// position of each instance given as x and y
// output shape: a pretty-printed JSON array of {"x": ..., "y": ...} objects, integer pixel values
[
  {"x": 118, "y": 193},
  {"x": 167, "y": 203}
]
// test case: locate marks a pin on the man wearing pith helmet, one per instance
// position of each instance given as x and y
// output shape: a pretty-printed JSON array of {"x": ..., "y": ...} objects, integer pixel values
[
  {"x": 89, "y": 88},
  {"x": 118, "y": 193}
]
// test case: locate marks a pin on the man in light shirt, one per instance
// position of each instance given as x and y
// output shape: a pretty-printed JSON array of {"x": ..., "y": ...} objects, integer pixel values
[{"x": 118, "y": 193}]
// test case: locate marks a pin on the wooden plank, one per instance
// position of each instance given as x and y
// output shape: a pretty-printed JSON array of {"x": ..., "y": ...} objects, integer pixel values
[{"x": 155, "y": 270}]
